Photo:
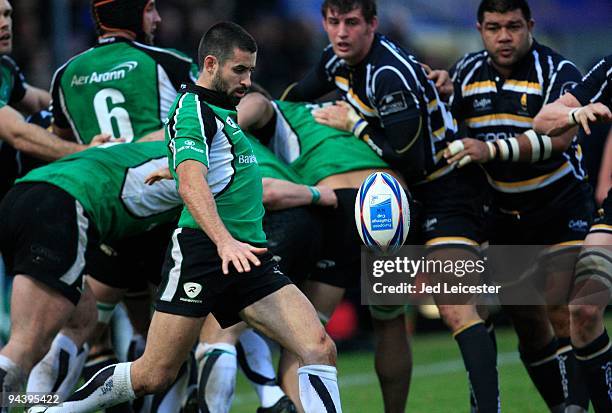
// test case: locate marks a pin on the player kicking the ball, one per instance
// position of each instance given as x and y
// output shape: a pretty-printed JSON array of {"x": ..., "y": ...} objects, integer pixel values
[{"x": 212, "y": 264}]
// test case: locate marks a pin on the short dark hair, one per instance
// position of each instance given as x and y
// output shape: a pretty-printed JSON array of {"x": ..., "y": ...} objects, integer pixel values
[
  {"x": 221, "y": 40},
  {"x": 368, "y": 7},
  {"x": 503, "y": 6}
]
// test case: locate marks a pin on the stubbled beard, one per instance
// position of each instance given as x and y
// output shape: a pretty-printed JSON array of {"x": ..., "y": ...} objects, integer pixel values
[{"x": 220, "y": 85}]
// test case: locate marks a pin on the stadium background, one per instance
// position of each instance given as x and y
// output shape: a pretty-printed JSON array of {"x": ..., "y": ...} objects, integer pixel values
[{"x": 290, "y": 38}]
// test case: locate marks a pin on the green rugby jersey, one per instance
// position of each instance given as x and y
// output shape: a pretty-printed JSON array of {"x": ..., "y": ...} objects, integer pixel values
[
  {"x": 12, "y": 82},
  {"x": 317, "y": 151},
  {"x": 109, "y": 182},
  {"x": 269, "y": 165},
  {"x": 202, "y": 127},
  {"x": 119, "y": 87}
]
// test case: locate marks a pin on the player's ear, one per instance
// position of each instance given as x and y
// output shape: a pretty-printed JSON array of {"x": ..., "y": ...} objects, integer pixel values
[
  {"x": 374, "y": 23},
  {"x": 210, "y": 63},
  {"x": 530, "y": 24}
]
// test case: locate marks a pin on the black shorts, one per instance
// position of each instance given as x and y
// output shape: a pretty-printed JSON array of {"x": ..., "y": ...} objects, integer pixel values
[
  {"x": 603, "y": 224},
  {"x": 339, "y": 262},
  {"x": 193, "y": 284},
  {"x": 294, "y": 239},
  {"x": 131, "y": 263},
  {"x": 565, "y": 218},
  {"x": 451, "y": 209},
  {"x": 46, "y": 234}
]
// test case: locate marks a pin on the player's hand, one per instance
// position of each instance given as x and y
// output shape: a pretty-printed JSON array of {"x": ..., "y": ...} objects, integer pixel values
[
  {"x": 467, "y": 150},
  {"x": 442, "y": 80},
  {"x": 104, "y": 138},
  {"x": 158, "y": 175},
  {"x": 340, "y": 115},
  {"x": 240, "y": 254},
  {"x": 328, "y": 196},
  {"x": 593, "y": 112}
]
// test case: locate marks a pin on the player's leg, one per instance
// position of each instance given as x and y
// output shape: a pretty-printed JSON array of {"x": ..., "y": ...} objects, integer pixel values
[
  {"x": 393, "y": 355},
  {"x": 37, "y": 314},
  {"x": 255, "y": 360},
  {"x": 591, "y": 295},
  {"x": 61, "y": 367},
  {"x": 217, "y": 365},
  {"x": 289, "y": 318}
]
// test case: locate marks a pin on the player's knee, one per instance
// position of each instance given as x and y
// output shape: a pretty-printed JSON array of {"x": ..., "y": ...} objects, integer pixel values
[
  {"x": 585, "y": 314},
  {"x": 320, "y": 350},
  {"x": 452, "y": 317}
]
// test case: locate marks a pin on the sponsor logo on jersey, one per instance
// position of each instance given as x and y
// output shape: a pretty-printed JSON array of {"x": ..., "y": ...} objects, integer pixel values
[
  {"x": 482, "y": 104},
  {"x": 392, "y": 103},
  {"x": 231, "y": 122},
  {"x": 118, "y": 72},
  {"x": 247, "y": 159},
  {"x": 578, "y": 225}
]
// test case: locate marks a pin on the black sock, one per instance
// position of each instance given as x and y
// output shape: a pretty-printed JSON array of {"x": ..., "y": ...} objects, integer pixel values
[
  {"x": 480, "y": 362},
  {"x": 578, "y": 393},
  {"x": 595, "y": 360},
  {"x": 543, "y": 368}
]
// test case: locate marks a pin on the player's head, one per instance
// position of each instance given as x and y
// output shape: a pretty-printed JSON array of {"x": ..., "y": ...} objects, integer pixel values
[
  {"x": 6, "y": 27},
  {"x": 227, "y": 56},
  {"x": 350, "y": 26},
  {"x": 505, "y": 27},
  {"x": 138, "y": 18}
]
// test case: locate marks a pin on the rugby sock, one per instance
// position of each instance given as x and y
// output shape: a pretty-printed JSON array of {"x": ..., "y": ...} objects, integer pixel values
[
  {"x": 217, "y": 377},
  {"x": 480, "y": 362},
  {"x": 577, "y": 399},
  {"x": 255, "y": 360},
  {"x": 172, "y": 399},
  {"x": 543, "y": 368},
  {"x": 59, "y": 371},
  {"x": 110, "y": 386},
  {"x": 595, "y": 360},
  {"x": 12, "y": 377},
  {"x": 96, "y": 363},
  {"x": 319, "y": 389}
]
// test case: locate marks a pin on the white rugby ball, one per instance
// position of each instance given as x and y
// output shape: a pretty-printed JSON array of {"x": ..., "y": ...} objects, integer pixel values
[{"x": 382, "y": 212}]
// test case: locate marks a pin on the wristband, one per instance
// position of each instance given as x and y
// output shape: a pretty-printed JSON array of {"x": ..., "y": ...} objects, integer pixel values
[
  {"x": 571, "y": 116},
  {"x": 316, "y": 194},
  {"x": 492, "y": 150},
  {"x": 358, "y": 127}
]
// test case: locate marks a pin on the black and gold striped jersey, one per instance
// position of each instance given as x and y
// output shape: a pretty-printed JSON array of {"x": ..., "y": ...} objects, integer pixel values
[
  {"x": 596, "y": 85},
  {"x": 390, "y": 90},
  {"x": 492, "y": 107}
]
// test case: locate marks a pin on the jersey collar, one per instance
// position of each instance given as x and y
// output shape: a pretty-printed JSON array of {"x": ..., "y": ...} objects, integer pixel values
[{"x": 210, "y": 96}]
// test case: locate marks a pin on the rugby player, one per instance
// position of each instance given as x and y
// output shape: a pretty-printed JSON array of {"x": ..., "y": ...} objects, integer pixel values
[
  {"x": 539, "y": 196},
  {"x": 52, "y": 220},
  {"x": 122, "y": 86},
  {"x": 219, "y": 181},
  {"x": 17, "y": 96},
  {"x": 590, "y": 101},
  {"x": 389, "y": 103}
]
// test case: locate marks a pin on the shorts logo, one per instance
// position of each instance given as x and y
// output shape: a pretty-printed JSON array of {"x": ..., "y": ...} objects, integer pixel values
[
  {"x": 231, "y": 122},
  {"x": 430, "y": 224},
  {"x": 578, "y": 225},
  {"x": 189, "y": 142},
  {"x": 192, "y": 289}
]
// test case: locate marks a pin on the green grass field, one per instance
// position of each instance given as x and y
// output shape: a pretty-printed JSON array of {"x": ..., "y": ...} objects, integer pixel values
[{"x": 439, "y": 381}]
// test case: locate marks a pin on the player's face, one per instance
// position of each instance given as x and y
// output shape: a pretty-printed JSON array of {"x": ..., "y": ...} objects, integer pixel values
[
  {"x": 6, "y": 27},
  {"x": 506, "y": 36},
  {"x": 150, "y": 20},
  {"x": 350, "y": 35},
  {"x": 234, "y": 76}
]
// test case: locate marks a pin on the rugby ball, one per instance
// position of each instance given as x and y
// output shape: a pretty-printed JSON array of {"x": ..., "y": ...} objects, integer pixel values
[{"x": 382, "y": 213}]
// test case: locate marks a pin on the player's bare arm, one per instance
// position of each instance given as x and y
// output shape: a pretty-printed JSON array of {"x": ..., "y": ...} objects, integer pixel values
[
  {"x": 36, "y": 141},
  {"x": 34, "y": 100},
  {"x": 198, "y": 198},
  {"x": 280, "y": 194},
  {"x": 564, "y": 113}
]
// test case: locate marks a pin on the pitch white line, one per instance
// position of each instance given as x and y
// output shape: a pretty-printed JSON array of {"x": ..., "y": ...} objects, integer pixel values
[{"x": 421, "y": 370}]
